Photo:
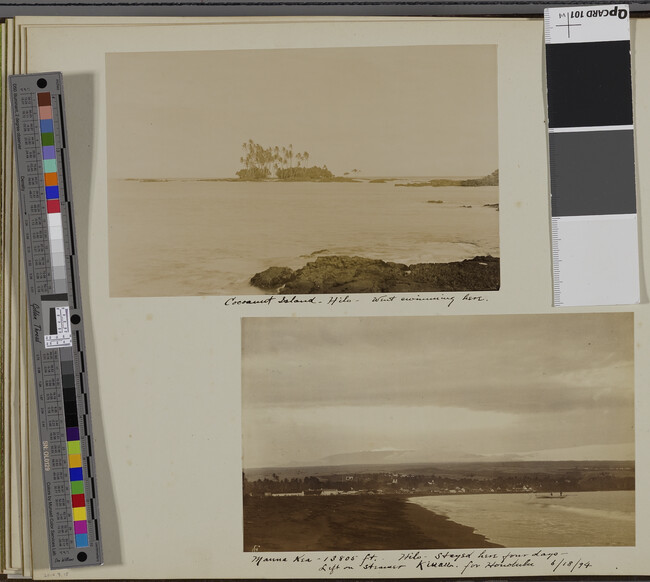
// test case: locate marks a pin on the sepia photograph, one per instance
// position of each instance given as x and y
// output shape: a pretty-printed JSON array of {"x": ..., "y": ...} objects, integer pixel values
[
  {"x": 388, "y": 433},
  {"x": 303, "y": 171}
]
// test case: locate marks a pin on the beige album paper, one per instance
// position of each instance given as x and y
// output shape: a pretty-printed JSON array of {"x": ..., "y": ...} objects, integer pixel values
[{"x": 188, "y": 389}]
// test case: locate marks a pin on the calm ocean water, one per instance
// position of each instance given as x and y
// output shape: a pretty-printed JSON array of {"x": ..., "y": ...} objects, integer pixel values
[
  {"x": 210, "y": 238},
  {"x": 598, "y": 518}
]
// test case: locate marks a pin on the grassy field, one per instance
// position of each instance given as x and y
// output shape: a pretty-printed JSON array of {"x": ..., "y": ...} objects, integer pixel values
[{"x": 339, "y": 523}]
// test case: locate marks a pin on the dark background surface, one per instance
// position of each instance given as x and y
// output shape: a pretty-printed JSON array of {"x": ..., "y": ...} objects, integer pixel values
[{"x": 10, "y": 8}]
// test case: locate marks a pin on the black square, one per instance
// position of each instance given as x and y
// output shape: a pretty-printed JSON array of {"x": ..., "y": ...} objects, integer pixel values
[{"x": 589, "y": 84}]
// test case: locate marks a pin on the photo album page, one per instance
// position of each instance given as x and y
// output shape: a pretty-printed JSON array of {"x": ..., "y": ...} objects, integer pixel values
[{"x": 317, "y": 279}]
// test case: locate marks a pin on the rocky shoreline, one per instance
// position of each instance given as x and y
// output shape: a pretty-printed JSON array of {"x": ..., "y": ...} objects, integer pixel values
[{"x": 344, "y": 274}]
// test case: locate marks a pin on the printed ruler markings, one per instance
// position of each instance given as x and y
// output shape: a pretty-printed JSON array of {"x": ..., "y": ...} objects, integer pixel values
[
  {"x": 56, "y": 321},
  {"x": 591, "y": 156}
]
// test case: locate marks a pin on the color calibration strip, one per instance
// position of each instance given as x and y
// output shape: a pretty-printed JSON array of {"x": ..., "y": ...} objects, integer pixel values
[
  {"x": 56, "y": 324},
  {"x": 50, "y": 176},
  {"x": 61, "y": 336},
  {"x": 591, "y": 154}
]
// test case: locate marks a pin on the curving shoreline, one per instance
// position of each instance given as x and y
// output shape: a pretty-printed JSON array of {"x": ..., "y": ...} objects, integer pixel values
[
  {"x": 345, "y": 274},
  {"x": 439, "y": 527},
  {"x": 347, "y": 523}
]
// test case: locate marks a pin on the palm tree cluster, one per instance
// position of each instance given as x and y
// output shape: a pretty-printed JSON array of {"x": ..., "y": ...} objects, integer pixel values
[{"x": 258, "y": 162}]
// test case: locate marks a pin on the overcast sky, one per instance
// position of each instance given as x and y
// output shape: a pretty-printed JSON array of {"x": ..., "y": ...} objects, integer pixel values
[
  {"x": 402, "y": 111},
  {"x": 542, "y": 386}
]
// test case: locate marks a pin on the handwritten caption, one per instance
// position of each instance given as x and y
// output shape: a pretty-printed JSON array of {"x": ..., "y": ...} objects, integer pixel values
[
  {"x": 332, "y": 300},
  {"x": 456, "y": 563}
]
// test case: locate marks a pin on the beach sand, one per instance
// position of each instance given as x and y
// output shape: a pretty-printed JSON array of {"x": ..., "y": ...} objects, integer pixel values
[{"x": 339, "y": 523}]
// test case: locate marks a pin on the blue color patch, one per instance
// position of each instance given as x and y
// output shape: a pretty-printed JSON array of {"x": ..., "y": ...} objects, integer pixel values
[
  {"x": 47, "y": 126},
  {"x": 81, "y": 540},
  {"x": 49, "y": 153},
  {"x": 52, "y": 192},
  {"x": 76, "y": 474}
]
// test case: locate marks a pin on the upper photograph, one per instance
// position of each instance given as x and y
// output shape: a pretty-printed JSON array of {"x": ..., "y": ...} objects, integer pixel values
[{"x": 303, "y": 171}]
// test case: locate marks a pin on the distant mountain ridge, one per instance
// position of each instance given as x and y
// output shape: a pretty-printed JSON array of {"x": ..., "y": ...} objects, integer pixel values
[{"x": 622, "y": 452}]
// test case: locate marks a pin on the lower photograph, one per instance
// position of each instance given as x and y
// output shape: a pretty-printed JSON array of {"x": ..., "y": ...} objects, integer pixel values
[{"x": 438, "y": 432}]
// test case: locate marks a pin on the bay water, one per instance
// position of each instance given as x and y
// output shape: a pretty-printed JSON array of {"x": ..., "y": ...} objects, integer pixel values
[
  {"x": 193, "y": 237},
  {"x": 590, "y": 518}
]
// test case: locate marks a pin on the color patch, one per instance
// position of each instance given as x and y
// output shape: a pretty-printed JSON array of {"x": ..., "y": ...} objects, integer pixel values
[
  {"x": 53, "y": 206},
  {"x": 52, "y": 192},
  {"x": 74, "y": 447},
  {"x": 47, "y": 126},
  {"x": 47, "y": 139},
  {"x": 54, "y": 221},
  {"x": 593, "y": 173},
  {"x": 79, "y": 500},
  {"x": 81, "y": 540},
  {"x": 44, "y": 98},
  {"x": 49, "y": 153},
  {"x": 74, "y": 461},
  {"x": 76, "y": 487},
  {"x": 80, "y": 527},
  {"x": 72, "y": 434},
  {"x": 79, "y": 513},
  {"x": 589, "y": 84},
  {"x": 49, "y": 166},
  {"x": 51, "y": 179},
  {"x": 76, "y": 474}
]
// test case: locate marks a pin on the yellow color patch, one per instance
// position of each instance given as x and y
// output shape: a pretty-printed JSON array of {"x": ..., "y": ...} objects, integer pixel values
[
  {"x": 75, "y": 461},
  {"x": 79, "y": 513}
]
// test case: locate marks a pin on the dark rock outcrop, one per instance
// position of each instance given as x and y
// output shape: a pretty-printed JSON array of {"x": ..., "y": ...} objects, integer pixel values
[
  {"x": 343, "y": 274},
  {"x": 272, "y": 278}
]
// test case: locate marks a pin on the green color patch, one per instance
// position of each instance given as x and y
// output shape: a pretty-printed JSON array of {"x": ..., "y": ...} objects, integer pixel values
[
  {"x": 76, "y": 487},
  {"x": 74, "y": 448},
  {"x": 47, "y": 139}
]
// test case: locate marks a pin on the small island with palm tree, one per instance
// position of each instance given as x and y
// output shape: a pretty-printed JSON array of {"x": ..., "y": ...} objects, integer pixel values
[{"x": 280, "y": 163}]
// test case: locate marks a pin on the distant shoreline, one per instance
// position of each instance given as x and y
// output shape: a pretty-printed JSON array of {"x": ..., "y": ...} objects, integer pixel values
[
  {"x": 340, "y": 523},
  {"x": 404, "y": 181}
]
